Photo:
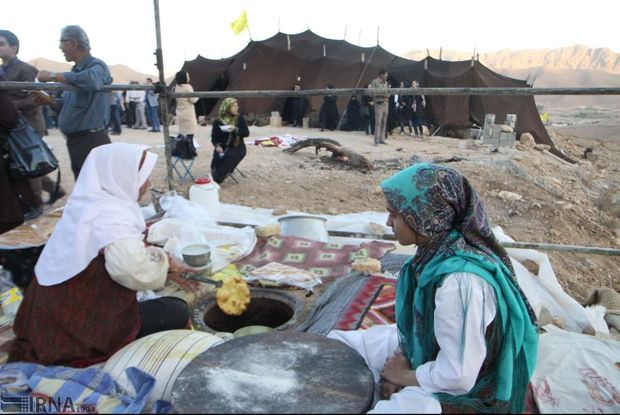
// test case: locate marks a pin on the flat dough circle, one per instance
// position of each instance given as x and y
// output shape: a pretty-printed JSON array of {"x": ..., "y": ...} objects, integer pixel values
[{"x": 233, "y": 297}]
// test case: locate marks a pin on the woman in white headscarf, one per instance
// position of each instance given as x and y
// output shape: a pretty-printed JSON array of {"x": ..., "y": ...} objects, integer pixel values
[{"x": 82, "y": 306}]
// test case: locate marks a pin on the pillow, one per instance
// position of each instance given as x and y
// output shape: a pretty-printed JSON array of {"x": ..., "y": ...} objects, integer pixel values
[
  {"x": 576, "y": 373},
  {"x": 162, "y": 355}
]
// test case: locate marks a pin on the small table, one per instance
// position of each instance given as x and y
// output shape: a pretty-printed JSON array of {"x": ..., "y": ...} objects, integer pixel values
[{"x": 285, "y": 372}]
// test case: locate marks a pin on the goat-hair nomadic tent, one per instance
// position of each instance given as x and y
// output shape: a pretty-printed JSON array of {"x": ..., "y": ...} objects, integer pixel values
[{"x": 279, "y": 62}]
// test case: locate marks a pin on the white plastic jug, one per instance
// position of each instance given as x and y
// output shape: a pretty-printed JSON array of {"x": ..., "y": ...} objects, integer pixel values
[{"x": 205, "y": 192}]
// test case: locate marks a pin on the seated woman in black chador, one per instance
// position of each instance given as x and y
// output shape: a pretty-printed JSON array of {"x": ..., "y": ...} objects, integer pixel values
[{"x": 227, "y": 136}]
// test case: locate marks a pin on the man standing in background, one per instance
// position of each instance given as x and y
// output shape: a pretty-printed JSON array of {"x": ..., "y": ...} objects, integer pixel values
[
  {"x": 152, "y": 99},
  {"x": 116, "y": 109},
  {"x": 381, "y": 106},
  {"x": 83, "y": 113},
  {"x": 14, "y": 70},
  {"x": 136, "y": 101}
]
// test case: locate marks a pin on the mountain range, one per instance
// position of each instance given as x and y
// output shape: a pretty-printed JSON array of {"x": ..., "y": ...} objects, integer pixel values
[{"x": 573, "y": 66}]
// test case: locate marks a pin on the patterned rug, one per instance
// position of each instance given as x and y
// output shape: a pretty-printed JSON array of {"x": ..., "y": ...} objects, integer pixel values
[
  {"x": 381, "y": 311},
  {"x": 327, "y": 260},
  {"x": 359, "y": 308}
]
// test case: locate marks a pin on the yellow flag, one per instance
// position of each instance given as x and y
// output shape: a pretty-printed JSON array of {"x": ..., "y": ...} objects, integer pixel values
[{"x": 240, "y": 24}]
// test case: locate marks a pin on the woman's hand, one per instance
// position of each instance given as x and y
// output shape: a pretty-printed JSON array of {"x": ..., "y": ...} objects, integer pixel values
[
  {"x": 219, "y": 149},
  {"x": 397, "y": 371},
  {"x": 388, "y": 389},
  {"x": 176, "y": 266},
  {"x": 175, "y": 269}
]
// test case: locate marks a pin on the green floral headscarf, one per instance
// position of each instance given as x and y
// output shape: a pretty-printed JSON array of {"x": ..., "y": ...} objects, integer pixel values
[
  {"x": 225, "y": 116},
  {"x": 440, "y": 203}
]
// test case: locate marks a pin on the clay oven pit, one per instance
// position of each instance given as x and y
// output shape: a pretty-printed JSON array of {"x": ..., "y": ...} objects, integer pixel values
[{"x": 272, "y": 308}]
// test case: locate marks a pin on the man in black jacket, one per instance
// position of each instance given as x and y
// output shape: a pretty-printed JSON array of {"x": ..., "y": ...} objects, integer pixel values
[{"x": 15, "y": 70}]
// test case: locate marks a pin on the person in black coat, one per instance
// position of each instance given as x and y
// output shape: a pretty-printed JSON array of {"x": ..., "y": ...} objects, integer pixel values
[
  {"x": 368, "y": 114},
  {"x": 328, "y": 115},
  {"x": 354, "y": 115},
  {"x": 227, "y": 136},
  {"x": 405, "y": 113},
  {"x": 418, "y": 103},
  {"x": 18, "y": 198},
  {"x": 295, "y": 109}
]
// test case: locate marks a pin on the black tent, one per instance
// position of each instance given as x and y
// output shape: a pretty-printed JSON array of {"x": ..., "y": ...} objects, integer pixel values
[{"x": 279, "y": 62}]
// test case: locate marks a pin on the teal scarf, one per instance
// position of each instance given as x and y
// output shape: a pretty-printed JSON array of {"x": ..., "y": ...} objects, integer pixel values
[{"x": 440, "y": 203}]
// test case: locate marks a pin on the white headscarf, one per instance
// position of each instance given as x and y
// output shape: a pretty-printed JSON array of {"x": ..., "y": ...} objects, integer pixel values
[{"x": 102, "y": 209}]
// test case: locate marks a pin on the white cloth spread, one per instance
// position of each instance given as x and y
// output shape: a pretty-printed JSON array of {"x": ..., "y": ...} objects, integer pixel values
[
  {"x": 449, "y": 372},
  {"x": 103, "y": 208}
]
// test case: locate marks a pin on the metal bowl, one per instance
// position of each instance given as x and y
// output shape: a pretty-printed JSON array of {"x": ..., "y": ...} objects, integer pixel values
[
  {"x": 304, "y": 226},
  {"x": 196, "y": 255}
]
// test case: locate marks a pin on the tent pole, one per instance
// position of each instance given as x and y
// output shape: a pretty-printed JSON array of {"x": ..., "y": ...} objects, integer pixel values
[{"x": 163, "y": 96}]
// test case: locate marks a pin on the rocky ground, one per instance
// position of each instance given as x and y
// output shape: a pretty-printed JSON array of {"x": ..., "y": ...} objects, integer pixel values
[{"x": 549, "y": 200}]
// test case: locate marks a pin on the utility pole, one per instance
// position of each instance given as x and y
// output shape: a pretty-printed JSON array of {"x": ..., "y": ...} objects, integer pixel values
[{"x": 163, "y": 95}]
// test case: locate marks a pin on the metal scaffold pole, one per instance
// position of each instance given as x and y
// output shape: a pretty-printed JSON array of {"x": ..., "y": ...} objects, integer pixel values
[{"x": 163, "y": 96}]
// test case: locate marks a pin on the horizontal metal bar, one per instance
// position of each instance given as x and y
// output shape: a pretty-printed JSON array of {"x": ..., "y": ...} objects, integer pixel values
[
  {"x": 518, "y": 245},
  {"x": 562, "y": 248},
  {"x": 401, "y": 91},
  {"x": 58, "y": 86},
  {"x": 317, "y": 92}
]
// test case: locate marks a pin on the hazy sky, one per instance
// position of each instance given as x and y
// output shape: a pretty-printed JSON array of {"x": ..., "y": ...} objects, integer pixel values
[{"x": 123, "y": 31}]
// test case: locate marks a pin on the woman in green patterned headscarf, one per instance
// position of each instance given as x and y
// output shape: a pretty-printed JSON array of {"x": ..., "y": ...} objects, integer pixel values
[
  {"x": 227, "y": 136},
  {"x": 466, "y": 335}
]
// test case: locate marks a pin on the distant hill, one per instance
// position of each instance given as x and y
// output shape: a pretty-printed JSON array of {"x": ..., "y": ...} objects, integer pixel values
[
  {"x": 572, "y": 57},
  {"x": 574, "y": 66},
  {"x": 552, "y": 78},
  {"x": 120, "y": 73}
]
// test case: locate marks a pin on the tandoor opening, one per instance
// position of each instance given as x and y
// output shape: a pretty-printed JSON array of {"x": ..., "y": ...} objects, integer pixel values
[{"x": 261, "y": 312}]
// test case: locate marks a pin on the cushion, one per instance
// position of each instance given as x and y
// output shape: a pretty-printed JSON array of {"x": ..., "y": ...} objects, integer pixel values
[
  {"x": 162, "y": 355},
  {"x": 576, "y": 373}
]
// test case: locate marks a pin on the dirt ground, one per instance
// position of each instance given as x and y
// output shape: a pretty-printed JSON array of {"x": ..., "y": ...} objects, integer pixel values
[{"x": 561, "y": 203}]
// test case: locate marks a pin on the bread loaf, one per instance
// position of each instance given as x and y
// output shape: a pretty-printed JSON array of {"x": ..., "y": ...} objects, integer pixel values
[
  {"x": 268, "y": 230},
  {"x": 370, "y": 265}
]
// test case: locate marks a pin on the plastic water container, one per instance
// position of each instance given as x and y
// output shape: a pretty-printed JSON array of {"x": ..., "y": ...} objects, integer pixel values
[{"x": 206, "y": 193}]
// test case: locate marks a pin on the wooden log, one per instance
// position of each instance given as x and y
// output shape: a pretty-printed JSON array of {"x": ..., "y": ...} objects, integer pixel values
[
  {"x": 338, "y": 152},
  {"x": 309, "y": 143}
]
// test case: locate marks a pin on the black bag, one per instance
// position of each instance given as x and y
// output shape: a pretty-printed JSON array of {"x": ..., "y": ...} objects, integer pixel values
[
  {"x": 28, "y": 155},
  {"x": 172, "y": 104},
  {"x": 172, "y": 107},
  {"x": 183, "y": 147}
]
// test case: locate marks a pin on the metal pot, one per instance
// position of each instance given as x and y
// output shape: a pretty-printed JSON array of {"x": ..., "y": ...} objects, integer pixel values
[
  {"x": 196, "y": 255},
  {"x": 304, "y": 226}
]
